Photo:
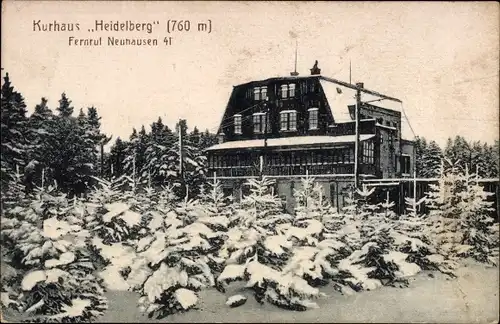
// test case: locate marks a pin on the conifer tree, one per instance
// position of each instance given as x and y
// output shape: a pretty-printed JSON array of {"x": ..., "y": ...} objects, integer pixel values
[
  {"x": 14, "y": 131},
  {"x": 157, "y": 153},
  {"x": 459, "y": 224},
  {"x": 193, "y": 162},
  {"x": 257, "y": 252},
  {"x": 420, "y": 151},
  {"x": 195, "y": 136},
  {"x": 477, "y": 225},
  {"x": 433, "y": 158},
  {"x": 117, "y": 158},
  {"x": 316, "y": 248},
  {"x": 41, "y": 137},
  {"x": 207, "y": 139},
  {"x": 65, "y": 109}
]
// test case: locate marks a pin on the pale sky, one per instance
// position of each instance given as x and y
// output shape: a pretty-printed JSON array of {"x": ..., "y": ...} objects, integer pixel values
[{"x": 441, "y": 59}]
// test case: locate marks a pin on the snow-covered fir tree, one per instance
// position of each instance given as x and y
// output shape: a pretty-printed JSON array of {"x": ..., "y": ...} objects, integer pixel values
[
  {"x": 174, "y": 259},
  {"x": 49, "y": 252},
  {"x": 478, "y": 227},
  {"x": 257, "y": 252},
  {"x": 316, "y": 250},
  {"x": 116, "y": 159},
  {"x": 193, "y": 161},
  {"x": 110, "y": 216},
  {"x": 159, "y": 154},
  {"x": 135, "y": 160},
  {"x": 444, "y": 224},
  {"x": 375, "y": 261},
  {"x": 428, "y": 157},
  {"x": 40, "y": 125},
  {"x": 459, "y": 221},
  {"x": 14, "y": 132}
]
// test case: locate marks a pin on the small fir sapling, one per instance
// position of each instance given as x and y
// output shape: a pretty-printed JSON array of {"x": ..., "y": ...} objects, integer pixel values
[
  {"x": 373, "y": 261},
  {"x": 475, "y": 220},
  {"x": 314, "y": 254},
  {"x": 174, "y": 260},
  {"x": 256, "y": 252},
  {"x": 57, "y": 273}
]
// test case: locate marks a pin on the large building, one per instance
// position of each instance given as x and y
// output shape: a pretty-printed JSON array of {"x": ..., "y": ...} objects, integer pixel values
[{"x": 285, "y": 127}]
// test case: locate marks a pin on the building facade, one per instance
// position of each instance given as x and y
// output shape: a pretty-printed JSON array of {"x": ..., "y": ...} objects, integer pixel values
[{"x": 287, "y": 127}]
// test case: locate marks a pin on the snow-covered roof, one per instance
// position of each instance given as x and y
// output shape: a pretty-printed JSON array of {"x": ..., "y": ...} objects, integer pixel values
[
  {"x": 385, "y": 126},
  {"x": 289, "y": 141},
  {"x": 338, "y": 102},
  {"x": 352, "y": 121}
]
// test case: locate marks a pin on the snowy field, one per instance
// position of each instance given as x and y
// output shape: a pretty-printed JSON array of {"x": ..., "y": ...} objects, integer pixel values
[
  {"x": 153, "y": 255},
  {"x": 470, "y": 298}
]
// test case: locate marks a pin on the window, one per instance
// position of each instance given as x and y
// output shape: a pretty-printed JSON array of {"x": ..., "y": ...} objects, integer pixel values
[
  {"x": 292, "y": 123},
  {"x": 312, "y": 86},
  {"x": 405, "y": 164},
  {"x": 303, "y": 87},
  {"x": 337, "y": 156},
  {"x": 256, "y": 93},
  {"x": 260, "y": 93},
  {"x": 313, "y": 118},
  {"x": 288, "y": 120},
  {"x": 259, "y": 123},
  {"x": 284, "y": 121},
  {"x": 287, "y": 91},
  {"x": 368, "y": 152},
  {"x": 284, "y": 91},
  {"x": 237, "y": 124}
]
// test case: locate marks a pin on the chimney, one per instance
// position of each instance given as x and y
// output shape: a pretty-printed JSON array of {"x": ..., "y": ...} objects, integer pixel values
[{"x": 315, "y": 70}]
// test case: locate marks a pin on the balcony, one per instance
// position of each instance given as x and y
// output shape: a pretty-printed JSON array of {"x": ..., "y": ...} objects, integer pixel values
[{"x": 285, "y": 170}]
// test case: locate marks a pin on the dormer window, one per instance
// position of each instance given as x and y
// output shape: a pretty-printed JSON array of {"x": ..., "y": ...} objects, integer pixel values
[
  {"x": 312, "y": 86},
  {"x": 313, "y": 118},
  {"x": 263, "y": 93},
  {"x": 260, "y": 122},
  {"x": 284, "y": 91},
  {"x": 260, "y": 93},
  {"x": 288, "y": 120},
  {"x": 237, "y": 124},
  {"x": 287, "y": 91}
]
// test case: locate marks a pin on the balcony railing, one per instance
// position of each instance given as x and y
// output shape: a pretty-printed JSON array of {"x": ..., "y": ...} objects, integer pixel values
[{"x": 284, "y": 170}]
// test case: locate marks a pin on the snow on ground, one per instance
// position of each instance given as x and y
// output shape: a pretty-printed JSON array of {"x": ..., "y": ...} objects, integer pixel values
[{"x": 472, "y": 297}]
